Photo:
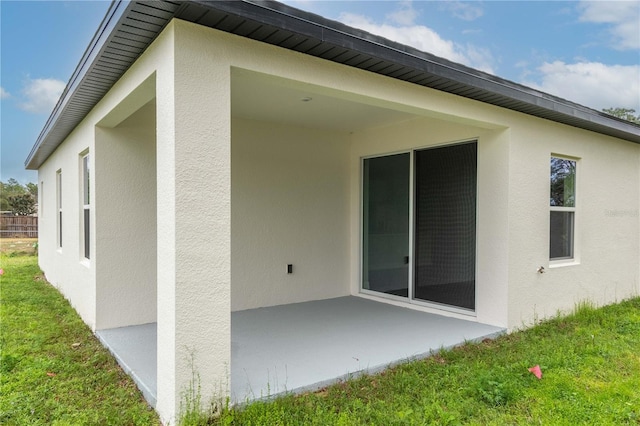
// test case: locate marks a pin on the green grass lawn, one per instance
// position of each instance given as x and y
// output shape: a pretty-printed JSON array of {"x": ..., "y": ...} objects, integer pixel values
[{"x": 55, "y": 372}]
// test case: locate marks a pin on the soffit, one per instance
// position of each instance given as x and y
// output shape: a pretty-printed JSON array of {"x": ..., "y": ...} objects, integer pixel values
[
  {"x": 130, "y": 27},
  {"x": 261, "y": 97}
]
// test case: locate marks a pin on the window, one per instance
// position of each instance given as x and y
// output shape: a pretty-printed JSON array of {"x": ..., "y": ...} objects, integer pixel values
[
  {"x": 86, "y": 202},
  {"x": 59, "y": 207},
  {"x": 41, "y": 199},
  {"x": 563, "y": 208}
]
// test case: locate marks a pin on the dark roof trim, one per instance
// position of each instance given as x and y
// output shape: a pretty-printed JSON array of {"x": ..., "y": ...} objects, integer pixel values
[
  {"x": 114, "y": 12},
  {"x": 130, "y": 27},
  {"x": 125, "y": 32}
]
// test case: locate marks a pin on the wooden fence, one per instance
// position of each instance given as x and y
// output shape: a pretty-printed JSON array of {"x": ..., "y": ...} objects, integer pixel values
[{"x": 18, "y": 226}]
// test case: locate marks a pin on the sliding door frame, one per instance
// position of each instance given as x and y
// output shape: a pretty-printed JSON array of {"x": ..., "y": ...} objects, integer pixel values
[
  {"x": 410, "y": 230},
  {"x": 410, "y": 299}
]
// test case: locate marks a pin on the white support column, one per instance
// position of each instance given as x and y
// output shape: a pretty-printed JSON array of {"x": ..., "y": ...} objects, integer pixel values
[
  {"x": 166, "y": 229},
  {"x": 194, "y": 221}
]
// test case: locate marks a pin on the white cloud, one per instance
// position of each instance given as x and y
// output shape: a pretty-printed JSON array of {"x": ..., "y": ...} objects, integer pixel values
[
  {"x": 4, "y": 94},
  {"x": 467, "y": 11},
  {"x": 406, "y": 15},
  {"x": 592, "y": 84},
  {"x": 425, "y": 39},
  {"x": 622, "y": 16},
  {"x": 41, "y": 94}
]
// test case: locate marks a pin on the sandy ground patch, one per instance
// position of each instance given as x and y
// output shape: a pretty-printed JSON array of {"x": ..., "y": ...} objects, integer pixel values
[{"x": 17, "y": 245}]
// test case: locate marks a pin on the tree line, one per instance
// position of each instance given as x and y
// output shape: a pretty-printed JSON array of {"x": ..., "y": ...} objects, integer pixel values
[
  {"x": 624, "y": 113},
  {"x": 20, "y": 200}
]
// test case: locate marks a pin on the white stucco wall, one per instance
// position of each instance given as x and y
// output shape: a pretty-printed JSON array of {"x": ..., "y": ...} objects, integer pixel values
[
  {"x": 195, "y": 174},
  {"x": 290, "y": 205},
  {"x": 65, "y": 267},
  {"x": 125, "y": 205},
  {"x": 607, "y": 253}
]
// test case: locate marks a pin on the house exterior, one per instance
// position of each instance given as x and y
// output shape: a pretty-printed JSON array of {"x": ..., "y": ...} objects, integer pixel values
[{"x": 201, "y": 148}]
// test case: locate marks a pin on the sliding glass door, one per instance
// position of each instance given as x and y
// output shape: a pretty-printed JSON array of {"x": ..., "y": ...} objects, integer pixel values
[{"x": 443, "y": 242}]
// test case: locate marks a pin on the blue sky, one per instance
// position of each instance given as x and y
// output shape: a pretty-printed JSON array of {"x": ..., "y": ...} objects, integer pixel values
[
  {"x": 41, "y": 42},
  {"x": 587, "y": 52}
]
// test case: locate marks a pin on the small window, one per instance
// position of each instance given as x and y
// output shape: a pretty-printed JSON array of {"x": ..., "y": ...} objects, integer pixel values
[
  {"x": 59, "y": 208},
  {"x": 86, "y": 202},
  {"x": 563, "y": 208},
  {"x": 41, "y": 199}
]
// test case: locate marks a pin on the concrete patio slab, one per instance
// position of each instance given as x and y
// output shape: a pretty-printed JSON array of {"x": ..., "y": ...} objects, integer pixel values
[
  {"x": 306, "y": 346},
  {"x": 135, "y": 349}
]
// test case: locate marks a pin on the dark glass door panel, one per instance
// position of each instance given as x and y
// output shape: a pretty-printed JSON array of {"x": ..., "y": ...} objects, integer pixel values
[
  {"x": 445, "y": 225},
  {"x": 386, "y": 224}
]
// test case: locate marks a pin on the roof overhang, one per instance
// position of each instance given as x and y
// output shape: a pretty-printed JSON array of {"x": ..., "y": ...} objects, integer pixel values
[{"x": 130, "y": 27}]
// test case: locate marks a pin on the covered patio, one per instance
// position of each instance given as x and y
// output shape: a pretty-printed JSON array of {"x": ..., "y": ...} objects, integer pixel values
[{"x": 305, "y": 346}]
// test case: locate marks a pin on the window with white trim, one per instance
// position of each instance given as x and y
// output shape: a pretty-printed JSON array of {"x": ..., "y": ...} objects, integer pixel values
[
  {"x": 59, "y": 208},
  {"x": 86, "y": 206},
  {"x": 562, "y": 208}
]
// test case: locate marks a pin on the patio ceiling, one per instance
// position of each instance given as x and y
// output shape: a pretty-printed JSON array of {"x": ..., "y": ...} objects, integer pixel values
[
  {"x": 130, "y": 27},
  {"x": 266, "y": 98}
]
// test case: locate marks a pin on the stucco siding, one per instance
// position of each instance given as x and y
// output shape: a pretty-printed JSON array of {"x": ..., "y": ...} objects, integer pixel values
[
  {"x": 125, "y": 204},
  {"x": 197, "y": 168},
  {"x": 606, "y": 244},
  {"x": 289, "y": 206},
  {"x": 64, "y": 267}
]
